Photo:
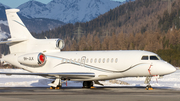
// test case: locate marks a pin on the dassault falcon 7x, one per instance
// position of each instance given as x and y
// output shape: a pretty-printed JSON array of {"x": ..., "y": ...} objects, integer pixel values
[{"x": 43, "y": 57}]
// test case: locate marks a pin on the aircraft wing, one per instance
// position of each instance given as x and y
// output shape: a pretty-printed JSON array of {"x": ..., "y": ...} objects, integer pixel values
[{"x": 69, "y": 75}]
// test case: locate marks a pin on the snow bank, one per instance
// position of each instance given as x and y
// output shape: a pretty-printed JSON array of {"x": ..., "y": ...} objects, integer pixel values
[{"x": 171, "y": 81}]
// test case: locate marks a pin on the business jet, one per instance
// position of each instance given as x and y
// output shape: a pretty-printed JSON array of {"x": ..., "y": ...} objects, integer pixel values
[{"x": 43, "y": 57}]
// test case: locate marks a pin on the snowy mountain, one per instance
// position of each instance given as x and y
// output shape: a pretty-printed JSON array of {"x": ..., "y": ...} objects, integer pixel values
[
  {"x": 68, "y": 11},
  {"x": 3, "y": 23},
  {"x": 33, "y": 8},
  {"x": 3, "y": 35},
  {"x": 33, "y": 24},
  {"x": 2, "y": 5},
  {"x": 2, "y": 11}
]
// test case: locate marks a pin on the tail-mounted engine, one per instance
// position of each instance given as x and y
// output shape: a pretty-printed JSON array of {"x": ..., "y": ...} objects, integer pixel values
[
  {"x": 60, "y": 44},
  {"x": 33, "y": 59}
]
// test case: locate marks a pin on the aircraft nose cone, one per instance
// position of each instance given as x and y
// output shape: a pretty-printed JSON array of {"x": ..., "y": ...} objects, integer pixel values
[
  {"x": 163, "y": 68},
  {"x": 172, "y": 69},
  {"x": 169, "y": 68}
]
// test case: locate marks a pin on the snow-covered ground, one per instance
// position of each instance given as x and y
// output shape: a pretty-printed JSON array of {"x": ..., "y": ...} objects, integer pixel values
[{"x": 171, "y": 81}]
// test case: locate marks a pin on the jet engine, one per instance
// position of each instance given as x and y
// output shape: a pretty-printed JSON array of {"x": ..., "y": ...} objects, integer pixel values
[
  {"x": 33, "y": 59},
  {"x": 60, "y": 44}
]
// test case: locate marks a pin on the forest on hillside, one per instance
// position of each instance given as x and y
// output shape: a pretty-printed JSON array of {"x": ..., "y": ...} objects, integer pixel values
[{"x": 140, "y": 25}]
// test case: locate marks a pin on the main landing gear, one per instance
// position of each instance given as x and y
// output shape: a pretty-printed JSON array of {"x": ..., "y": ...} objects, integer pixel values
[
  {"x": 147, "y": 81},
  {"x": 88, "y": 84},
  {"x": 57, "y": 84}
]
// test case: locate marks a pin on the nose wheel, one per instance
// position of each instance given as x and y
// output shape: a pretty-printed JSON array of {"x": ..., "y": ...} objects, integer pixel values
[{"x": 148, "y": 87}]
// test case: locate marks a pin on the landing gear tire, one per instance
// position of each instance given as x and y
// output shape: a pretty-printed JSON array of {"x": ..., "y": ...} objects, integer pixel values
[
  {"x": 55, "y": 87},
  {"x": 87, "y": 84},
  {"x": 52, "y": 87},
  {"x": 148, "y": 87}
]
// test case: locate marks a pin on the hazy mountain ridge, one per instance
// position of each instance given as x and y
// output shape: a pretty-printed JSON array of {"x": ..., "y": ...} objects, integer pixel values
[
  {"x": 33, "y": 24},
  {"x": 2, "y": 11},
  {"x": 3, "y": 23},
  {"x": 33, "y": 8},
  {"x": 5, "y": 6},
  {"x": 68, "y": 11}
]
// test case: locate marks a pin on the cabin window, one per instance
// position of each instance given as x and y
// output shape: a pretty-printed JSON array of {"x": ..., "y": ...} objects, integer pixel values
[
  {"x": 112, "y": 60},
  {"x": 95, "y": 60},
  {"x": 153, "y": 58},
  {"x": 99, "y": 60},
  {"x": 144, "y": 58},
  {"x": 108, "y": 60},
  {"x": 116, "y": 60},
  {"x": 104, "y": 60},
  {"x": 91, "y": 60},
  {"x": 62, "y": 60}
]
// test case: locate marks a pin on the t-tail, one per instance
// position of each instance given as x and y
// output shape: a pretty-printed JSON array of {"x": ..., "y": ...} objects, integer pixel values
[
  {"x": 22, "y": 41},
  {"x": 17, "y": 28},
  {"x": 19, "y": 32}
]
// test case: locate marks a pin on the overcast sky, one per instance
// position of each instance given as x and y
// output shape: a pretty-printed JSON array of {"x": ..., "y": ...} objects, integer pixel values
[{"x": 16, "y": 3}]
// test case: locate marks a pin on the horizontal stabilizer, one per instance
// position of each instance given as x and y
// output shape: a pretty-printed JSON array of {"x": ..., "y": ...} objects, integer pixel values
[
  {"x": 69, "y": 75},
  {"x": 12, "y": 41}
]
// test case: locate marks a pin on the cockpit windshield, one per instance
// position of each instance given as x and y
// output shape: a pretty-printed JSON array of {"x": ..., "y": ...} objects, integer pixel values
[
  {"x": 152, "y": 57},
  {"x": 144, "y": 58}
]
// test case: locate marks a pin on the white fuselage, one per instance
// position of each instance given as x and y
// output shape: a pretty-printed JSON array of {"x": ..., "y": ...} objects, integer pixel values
[{"x": 105, "y": 64}]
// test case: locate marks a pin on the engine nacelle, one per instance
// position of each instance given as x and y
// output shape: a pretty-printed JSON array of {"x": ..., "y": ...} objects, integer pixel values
[
  {"x": 60, "y": 44},
  {"x": 33, "y": 59}
]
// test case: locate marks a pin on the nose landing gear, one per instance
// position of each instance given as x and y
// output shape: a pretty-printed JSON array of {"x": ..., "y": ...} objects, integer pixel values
[{"x": 147, "y": 81}]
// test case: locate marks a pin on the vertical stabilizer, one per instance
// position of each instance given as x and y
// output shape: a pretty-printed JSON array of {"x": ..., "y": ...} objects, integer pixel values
[
  {"x": 17, "y": 28},
  {"x": 20, "y": 36}
]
